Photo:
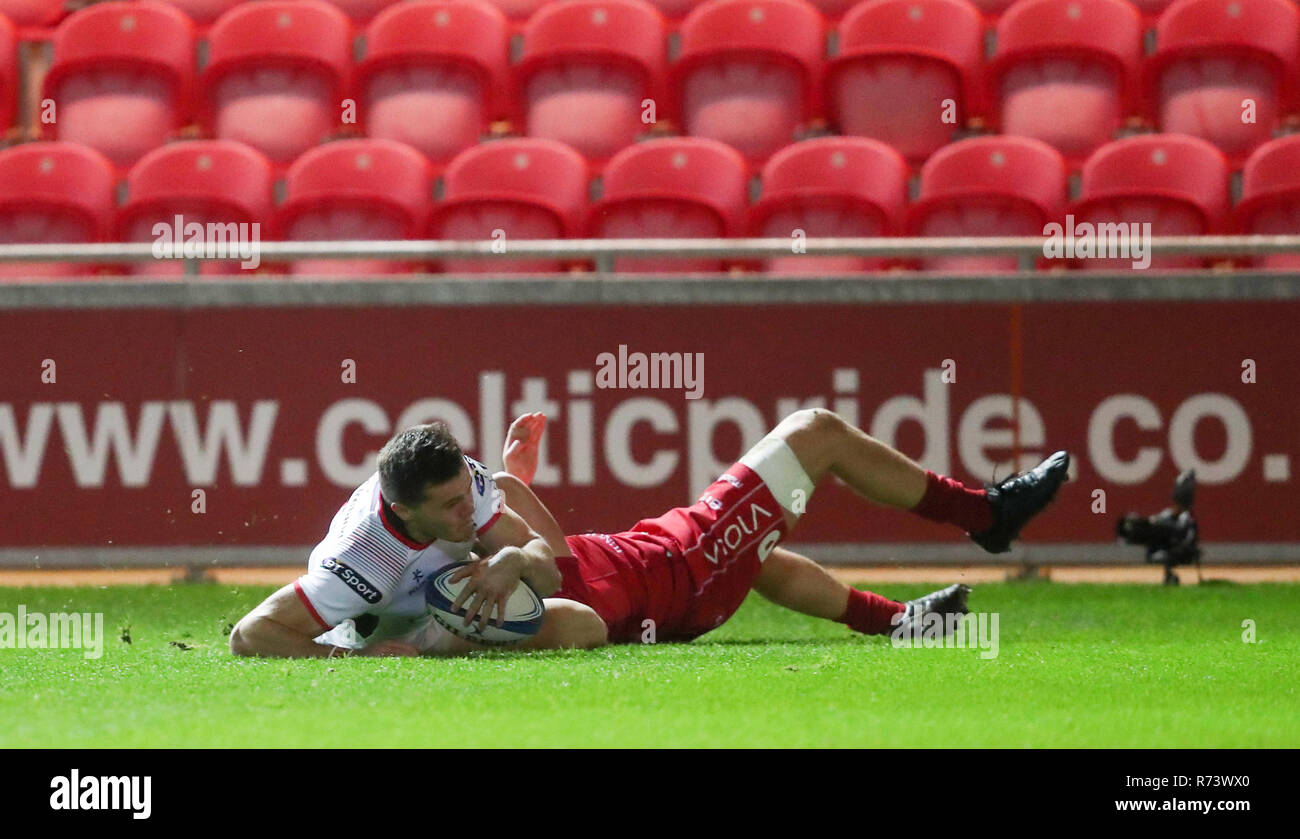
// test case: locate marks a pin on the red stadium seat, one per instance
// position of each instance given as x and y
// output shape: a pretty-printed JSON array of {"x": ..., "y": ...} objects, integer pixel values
[
  {"x": 898, "y": 62},
  {"x": 834, "y": 10},
  {"x": 992, "y": 9},
  {"x": 518, "y": 11},
  {"x": 121, "y": 78},
  {"x": 523, "y": 188},
  {"x": 749, "y": 73},
  {"x": 53, "y": 193},
  {"x": 362, "y": 12},
  {"x": 1224, "y": 70},
  {"x": 277, "y": 74},
  {"x": 1066, "y": 72},
  {"x": 1270, "y": 196},
  {"x": 671, "y": 188},
  {"x": 675, "y": 11},
  {"x": 8, "y": 73},
  {"x": 205, "y": 182},
  {"x": 1177, "y": 183},
  {"x": 1150, "y": 10},
  {"x": 988, "y": 186},
  {"x": 32, "y": 15},
  {"x": 434, "y": 75},
  {"x": 356, "y": 189},
  {"x": 587, "y": 66},
  {"x": 831, "y": 186},
  {"x": 203, "y": 13}
]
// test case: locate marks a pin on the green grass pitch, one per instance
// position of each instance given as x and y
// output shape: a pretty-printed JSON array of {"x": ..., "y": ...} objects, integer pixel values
[{"x": 1077, "y": 666}]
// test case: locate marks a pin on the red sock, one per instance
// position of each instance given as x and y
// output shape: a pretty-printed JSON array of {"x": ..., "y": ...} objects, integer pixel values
[
  {"x": 950, "y": 502},
  {"x": 869, "y": 613}
]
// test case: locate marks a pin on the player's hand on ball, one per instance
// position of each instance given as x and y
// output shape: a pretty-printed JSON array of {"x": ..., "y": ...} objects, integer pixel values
[
  {"x": 523, "y": 441},
  {"x": 390, "y": 648},
  {"x": 491, "y": 582}
]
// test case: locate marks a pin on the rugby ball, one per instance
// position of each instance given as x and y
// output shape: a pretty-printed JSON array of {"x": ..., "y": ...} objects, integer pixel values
[{"x": 524, "y": 610}]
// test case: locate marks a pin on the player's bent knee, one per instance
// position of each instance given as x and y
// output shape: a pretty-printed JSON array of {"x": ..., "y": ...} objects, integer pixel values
[
  {"x": 811, "y": 432},
  {"x": 816, "y": 420},
  {"x": 238, "y": 644},
  {"x": 594, "y": 632},
  {"x": 570, "y": 625},
  {"x": 815, "y": 435},
  {"x": 587, "y": 630}
]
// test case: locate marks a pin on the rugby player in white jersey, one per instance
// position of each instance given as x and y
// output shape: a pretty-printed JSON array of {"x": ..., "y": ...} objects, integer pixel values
[
  {"x": 684, "y": 572},
  {"x": 426, "y": 506}
]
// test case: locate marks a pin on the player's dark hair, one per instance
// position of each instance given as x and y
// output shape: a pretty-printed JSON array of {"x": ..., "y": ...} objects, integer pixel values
[{"x": 415, "y": 458}]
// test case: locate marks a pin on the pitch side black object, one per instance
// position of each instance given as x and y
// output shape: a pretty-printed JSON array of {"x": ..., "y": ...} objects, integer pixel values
[{"x": 1171, "y": 536}]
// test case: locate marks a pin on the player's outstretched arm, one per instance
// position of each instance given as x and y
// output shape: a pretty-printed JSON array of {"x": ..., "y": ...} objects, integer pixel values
[
  {"x": 520, "y": 453},
  {"x": 281, "y": 627},
  {"x": 523, "y": 446}
]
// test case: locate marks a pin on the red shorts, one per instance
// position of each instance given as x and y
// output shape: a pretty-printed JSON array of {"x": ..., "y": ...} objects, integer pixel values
[{"x": 686, "y": 571}]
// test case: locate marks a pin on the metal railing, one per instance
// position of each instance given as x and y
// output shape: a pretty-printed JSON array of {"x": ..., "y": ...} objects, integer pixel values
[{"x": 1028, "y": 250}]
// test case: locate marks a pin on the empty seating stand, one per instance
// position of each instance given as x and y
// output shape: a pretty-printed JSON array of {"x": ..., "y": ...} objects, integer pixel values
[
  {"x": 1066, "y": 72},
  {"x": 830, "y": 186},
  {"x": 992, "y": 10},
  {"x": 356, "y": 190},
  {"x": 907, "y": 73},
  {"x": 587, "y": 67},
  {"x": 203, "y": 182},
  {"x": 518, "y": 11},
  {"x": 1176, "y": 183},
  {"x": 1224, "y": 71},
  {"x": 686, "y": 187},
  {"x": 434, "y": 75},
  {"x": 203, "y": 13},
  {"x": 9, "y": 92},
  {"x": 749, "y": 73},
  {"x": 34, "y": 19},
  {"x": 508, "y": 190},
  {"x": 121, "y": 78},
  {"x": 53, "y": 193},
  {"x": 277, "y": 74},
  {"x": 988, "y": 186},
  {"x": 1270, "y": 197}
]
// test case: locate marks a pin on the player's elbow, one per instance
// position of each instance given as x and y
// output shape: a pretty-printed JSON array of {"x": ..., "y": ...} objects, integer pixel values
[
  {"x": 550, "y": 580},
  {"x": 508, "y": 484}
]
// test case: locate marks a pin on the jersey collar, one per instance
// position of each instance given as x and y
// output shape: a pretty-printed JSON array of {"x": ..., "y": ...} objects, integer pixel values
[{"x": 395, "y": 527}]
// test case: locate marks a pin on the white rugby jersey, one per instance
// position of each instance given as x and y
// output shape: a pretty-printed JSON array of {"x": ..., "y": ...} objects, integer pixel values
[{"x": 364, "y": 565}]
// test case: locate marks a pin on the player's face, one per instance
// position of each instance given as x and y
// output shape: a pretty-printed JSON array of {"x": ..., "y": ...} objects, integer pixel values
[{"x": 447, "y": 511}]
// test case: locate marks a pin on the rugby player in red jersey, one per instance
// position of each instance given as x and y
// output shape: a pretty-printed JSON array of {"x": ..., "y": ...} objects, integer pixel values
[{"x": 686, "y": 572}]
